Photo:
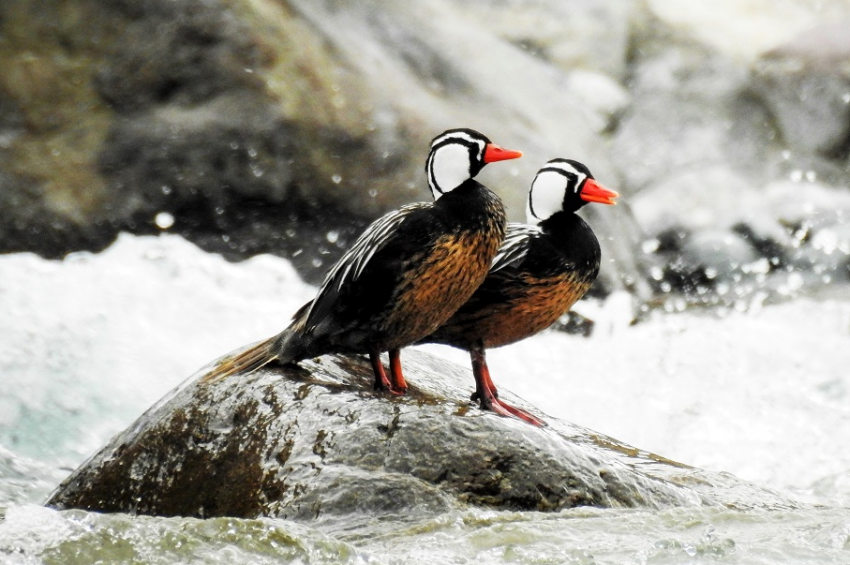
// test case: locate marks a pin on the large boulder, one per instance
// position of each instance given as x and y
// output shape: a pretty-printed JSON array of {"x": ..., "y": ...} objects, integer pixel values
[
  {"x": 316, "y": 442},
  {"x": 255, "y": 127}
]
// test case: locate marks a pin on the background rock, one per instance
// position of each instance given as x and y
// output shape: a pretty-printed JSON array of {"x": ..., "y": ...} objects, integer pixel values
[
  {"x": 806, "y": 85},
  {"x": 284, "y": 128},
  {"x": 316, "y": 443},
  {"x": 254, "y": 127}
]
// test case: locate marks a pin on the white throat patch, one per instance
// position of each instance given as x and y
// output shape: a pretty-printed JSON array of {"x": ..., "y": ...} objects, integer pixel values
[
  {"x": 448, "y": 168},
  {"x": 546, "y": 196},
  {"x": 549, "y": 189}
]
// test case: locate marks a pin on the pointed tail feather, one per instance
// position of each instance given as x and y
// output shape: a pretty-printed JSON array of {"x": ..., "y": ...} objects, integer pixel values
[{"x": 245, "y": 361}]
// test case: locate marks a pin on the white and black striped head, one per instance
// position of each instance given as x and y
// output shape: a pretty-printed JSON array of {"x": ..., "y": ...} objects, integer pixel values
[
  {"x": 564, "y": 185},
  {"x": 457, "y": 155}
]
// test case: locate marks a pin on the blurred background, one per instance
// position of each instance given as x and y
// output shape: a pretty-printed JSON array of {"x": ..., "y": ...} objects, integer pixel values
[
  {"x": 176, "y": 175},
  {"x": 285, "y": 127}
]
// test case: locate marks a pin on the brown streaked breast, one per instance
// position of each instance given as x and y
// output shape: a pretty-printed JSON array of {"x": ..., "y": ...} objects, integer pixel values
[
  {"x": 531, "y": 305},
  {"x": 437, "y": 284}
]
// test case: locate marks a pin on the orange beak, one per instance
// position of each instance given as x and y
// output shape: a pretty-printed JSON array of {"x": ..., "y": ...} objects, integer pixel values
[
  {"x": 494, "y": 153},
  {"x": 594, "y": 192}
]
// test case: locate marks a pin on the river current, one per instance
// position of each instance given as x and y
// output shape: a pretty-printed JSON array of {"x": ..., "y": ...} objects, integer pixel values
[{"x": 88, "y": 343}]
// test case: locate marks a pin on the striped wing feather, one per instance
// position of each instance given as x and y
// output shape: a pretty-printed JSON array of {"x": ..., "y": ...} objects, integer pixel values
[{"x": 355, "y": 261}]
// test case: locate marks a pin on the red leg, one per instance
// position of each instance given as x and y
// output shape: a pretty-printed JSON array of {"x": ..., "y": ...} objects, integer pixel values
[
  {"x": 485, "y": 391},
  {"x": 381, "y": 380},
  {"x": 398, "y": 383}
]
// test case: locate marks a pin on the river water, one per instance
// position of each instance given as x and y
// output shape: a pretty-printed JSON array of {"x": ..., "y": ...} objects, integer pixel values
[{"x": 87, "y": 344}]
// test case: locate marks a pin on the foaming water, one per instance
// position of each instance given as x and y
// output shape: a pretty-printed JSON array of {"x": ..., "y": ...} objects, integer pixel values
[
  {"x": 32, "y": 534},
  {"x": 93, "y": 341}
]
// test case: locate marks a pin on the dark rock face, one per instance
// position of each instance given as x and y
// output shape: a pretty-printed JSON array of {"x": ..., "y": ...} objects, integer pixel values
[
  {"x": 265, "y": 127},
  {"x": 315, "y": 442},
  {"x": 177, "y": 52}
]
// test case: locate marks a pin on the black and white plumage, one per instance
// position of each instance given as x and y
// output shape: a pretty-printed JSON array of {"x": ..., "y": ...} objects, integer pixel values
[
  {"x": 538, "y": 274},
  {"x": 350, "y": 266},
  {"x": 405, "y": 275},
  {"x": 515, "y": 246}
]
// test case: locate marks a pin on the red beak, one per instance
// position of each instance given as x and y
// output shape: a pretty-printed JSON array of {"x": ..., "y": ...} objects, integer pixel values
[
  {"x": 494, "y": 153},
  {"x": 594, "y": 192}
]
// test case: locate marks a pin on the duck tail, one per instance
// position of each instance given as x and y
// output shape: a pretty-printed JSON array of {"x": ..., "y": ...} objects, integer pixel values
[{"x": 245, "y": 361}]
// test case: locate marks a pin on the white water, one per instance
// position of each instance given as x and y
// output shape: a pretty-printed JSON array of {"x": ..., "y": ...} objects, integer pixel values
[{"x": 88, "y": 343}]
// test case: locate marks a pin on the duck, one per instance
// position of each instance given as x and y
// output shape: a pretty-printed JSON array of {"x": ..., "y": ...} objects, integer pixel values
[
  {"x": 541, "y": 270},
  {"x": 404, "y": 276}
]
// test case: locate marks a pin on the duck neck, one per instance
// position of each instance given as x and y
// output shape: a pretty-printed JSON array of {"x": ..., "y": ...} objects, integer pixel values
[{"x": 574, "y": 238}]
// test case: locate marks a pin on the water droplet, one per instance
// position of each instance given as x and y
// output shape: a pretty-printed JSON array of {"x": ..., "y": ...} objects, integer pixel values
[
  {"x": 650, "y": 245},
  {"x": 759, "y": 266},
  {"x": 258, "y": 172},
  {"x": 316, "y": 262},
  {"x": 373, "y": 192},
  {"x": 225, "y": 238},
  {"x": 846, "y": 97},
  {"x": 164, "y": 220},
  {"x": 252, "y": 153},
  {"x": 166, "y": 189},
  {"x": 796, "y": 175},
  {"x": 337, "y": 178},
  {"x": 332, "y": 236},
  {"x": 811, "y": 176}
]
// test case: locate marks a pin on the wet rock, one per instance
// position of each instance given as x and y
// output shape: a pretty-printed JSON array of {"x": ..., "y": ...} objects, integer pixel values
[
  {"x": 259, "y": 127},
  {"x": 770, "y": 239},
  {"x": 815, "y": 219},
  {"x": 806, "y": 201},
  {"x": 579, "y": 35},
  {"x": 690, "y": 113},
  {"x": 317, "y": 443},
  {"x": 699, "y": 198},
  {"x": 826, "y": 253},
  {"x": 806, "y": 85},
  {"x": 180, "y": 53},
  {"x": 177, "y": 157},
  {"x": 744, "y": 29},
  {"x": 718, "y": 254},
  {"x": 701, "y": 143}
]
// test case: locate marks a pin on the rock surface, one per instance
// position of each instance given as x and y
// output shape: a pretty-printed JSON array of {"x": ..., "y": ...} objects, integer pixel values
[{"x": 316, "y": 443}]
